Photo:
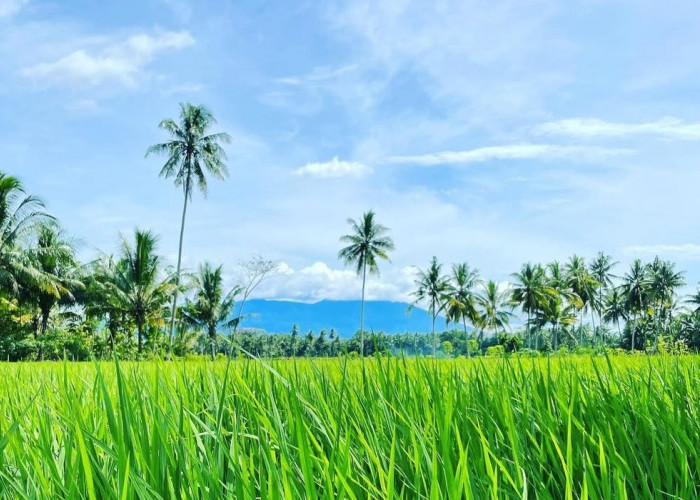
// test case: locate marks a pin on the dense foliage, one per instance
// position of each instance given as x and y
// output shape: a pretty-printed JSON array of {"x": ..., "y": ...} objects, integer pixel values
[
  {"x": 126, "y": 304},
  {"x": 53, "y": 306}
]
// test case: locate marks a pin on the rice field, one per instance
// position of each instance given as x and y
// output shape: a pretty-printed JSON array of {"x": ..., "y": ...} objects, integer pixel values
[{"x": 562, "y": 428}]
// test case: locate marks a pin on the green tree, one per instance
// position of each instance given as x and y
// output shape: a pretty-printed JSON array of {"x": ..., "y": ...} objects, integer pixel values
[
  {"x": 212, "y": 307},
  {"x": 601, "y": 270},
  {"x": 20, "y": 214},
  {"x": 367, "y": 244},
  {"x": 663, "y": 283},
  {"x": 530, "y": 291},
  {"x": 461, "y": 297},
  {"x": 54, "y": 255},
  {"x": 432, "y": 287},
  {"x": 636, "y": 291},
  {"x": 615, "y": 308},
  {"x": 135, "y": 284},
  {"x": 493, "y": 302},
  {"x": 192, "y": 153},
  {"x": 583, "y": 285}
]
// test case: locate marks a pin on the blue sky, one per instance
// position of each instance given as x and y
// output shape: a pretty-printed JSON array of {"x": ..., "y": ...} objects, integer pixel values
[{"x": 495, "y": 132}]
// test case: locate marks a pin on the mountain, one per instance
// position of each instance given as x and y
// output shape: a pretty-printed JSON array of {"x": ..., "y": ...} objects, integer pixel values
[{"x": 278, "y": 316}]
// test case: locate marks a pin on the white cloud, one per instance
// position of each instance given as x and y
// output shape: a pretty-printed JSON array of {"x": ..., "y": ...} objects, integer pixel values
[
  {"x": 9, "y": 8},
  {"x": 514, "y": 152},
  {"x": 666, "y": 128},
  {"x": 119, "y": 62},
  {"x": 318, "y": 75},
  {"x": 334, "y": 169},
  {"x": 319, "y": 281},
  {"x": 688, "y": 251}
]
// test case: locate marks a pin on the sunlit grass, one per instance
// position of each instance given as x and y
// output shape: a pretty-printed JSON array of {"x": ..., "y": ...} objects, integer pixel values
[{"x": 573, "y": 427}]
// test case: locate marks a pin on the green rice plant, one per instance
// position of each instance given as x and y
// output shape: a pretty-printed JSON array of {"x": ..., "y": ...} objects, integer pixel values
[{"x": 560, "y": 428}]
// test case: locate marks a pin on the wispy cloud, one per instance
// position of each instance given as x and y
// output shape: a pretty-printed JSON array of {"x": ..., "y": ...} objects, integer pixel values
[
  {"x": 318, "y": 75},
  {"x": 120, "y": 62},
  {"x": 688, "y": 251},
  {"x": 666, "y": 128},
  {"x": 514, "y": 152},
  {"x": 9, "y": 8},
  {"x": 334, "y": 169}
]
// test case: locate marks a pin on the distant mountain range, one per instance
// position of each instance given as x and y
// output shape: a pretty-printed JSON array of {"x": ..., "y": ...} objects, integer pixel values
[{"x": 278, "y": 316}]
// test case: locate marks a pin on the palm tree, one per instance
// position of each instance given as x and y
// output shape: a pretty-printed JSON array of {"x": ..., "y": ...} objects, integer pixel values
[
  {"x": 615, "y": 308},
  {"x": 601, "y": 271},
  {"x": 211, "y": 307},
  {"x": 20, "y": 214},
  {"x": 663, "y": 282},
  {"x": 191, "y": 153},
  {"x": 636, "y": 291},
  {"x": 530, "y": 292},
  {"x": 367, "y": 243},
  {"x": 433, "y": 288},
  {"x": 493, "y": 301},
  {"x": 134, "y": 282},
  {"x": 54, "y": 256},
  {"x": 461, "y": 298},
  {"x": 561, "y": 307},
  {"x": 582, "y": 284},
  {"x": 694, "y": 300}
]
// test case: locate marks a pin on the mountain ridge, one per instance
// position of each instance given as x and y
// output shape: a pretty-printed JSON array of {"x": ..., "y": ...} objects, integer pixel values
[{"x": 280, "y": 315}]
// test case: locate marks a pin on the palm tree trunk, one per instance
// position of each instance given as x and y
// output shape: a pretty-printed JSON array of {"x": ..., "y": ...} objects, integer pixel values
[
  {"x": 362, "y": 309},
  {"x": 177, "y": 272},
  {"x": 139, "y": 329},
  {"x": 212, "y": 338},
  {"x": 466, "y": 338},
  {"x": 527, "y": 328},
  {"x": 433, "y": 334},
  {"x": 634, "y": 330}
]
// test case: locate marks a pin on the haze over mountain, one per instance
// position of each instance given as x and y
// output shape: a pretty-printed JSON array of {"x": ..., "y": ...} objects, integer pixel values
[{"x": 278, "y": 316}]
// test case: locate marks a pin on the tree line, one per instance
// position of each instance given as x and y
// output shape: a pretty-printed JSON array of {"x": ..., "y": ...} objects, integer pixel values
[{"x": 126, "y": 303}]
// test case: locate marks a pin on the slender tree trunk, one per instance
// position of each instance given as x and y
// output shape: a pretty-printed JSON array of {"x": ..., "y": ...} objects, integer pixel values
[
  {"x": 634, "y": 330},
  {"x": 177, "y": 272},
  {"x": 466, "y": 337},
  {"x": 433, "y": 334},
  {"x": 619, "y": 331},
  {"x": 362, "y": 309},
  {"x": 527, "y": 328},
  {"x": 139, "y": 329},
  {"x": 212, "y": 338}
]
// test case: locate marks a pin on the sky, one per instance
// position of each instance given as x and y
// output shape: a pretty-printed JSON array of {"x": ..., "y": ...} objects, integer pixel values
[{"x": 489, "y": 131}]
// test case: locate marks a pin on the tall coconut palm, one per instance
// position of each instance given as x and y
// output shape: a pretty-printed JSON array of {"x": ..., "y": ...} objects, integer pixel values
[
  {"x": 615, "y": 308},
  {"x": 367, "y": 244},
  {"x": 433, "y": 287},
  {"x": 663, "y": 283},
  {"x": 636, "y": 291},
  {"x": 694, "y": 301},
  {"x": 493, "y": 301},
  {"x": 601, "y": 271},
  {"x": 20, "y": 214},
  {"x": 192, "y": 153},
  {"x": 54, "y": 255},
  {"x": 135, "y": 282},
  {"x": 461, "y": 297},
  {"x": 530, "y": 291},
  {"x": 211, "y": 307},
  {"x": 582, "y": 284},
  {"x": 560, "y": 309}
]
